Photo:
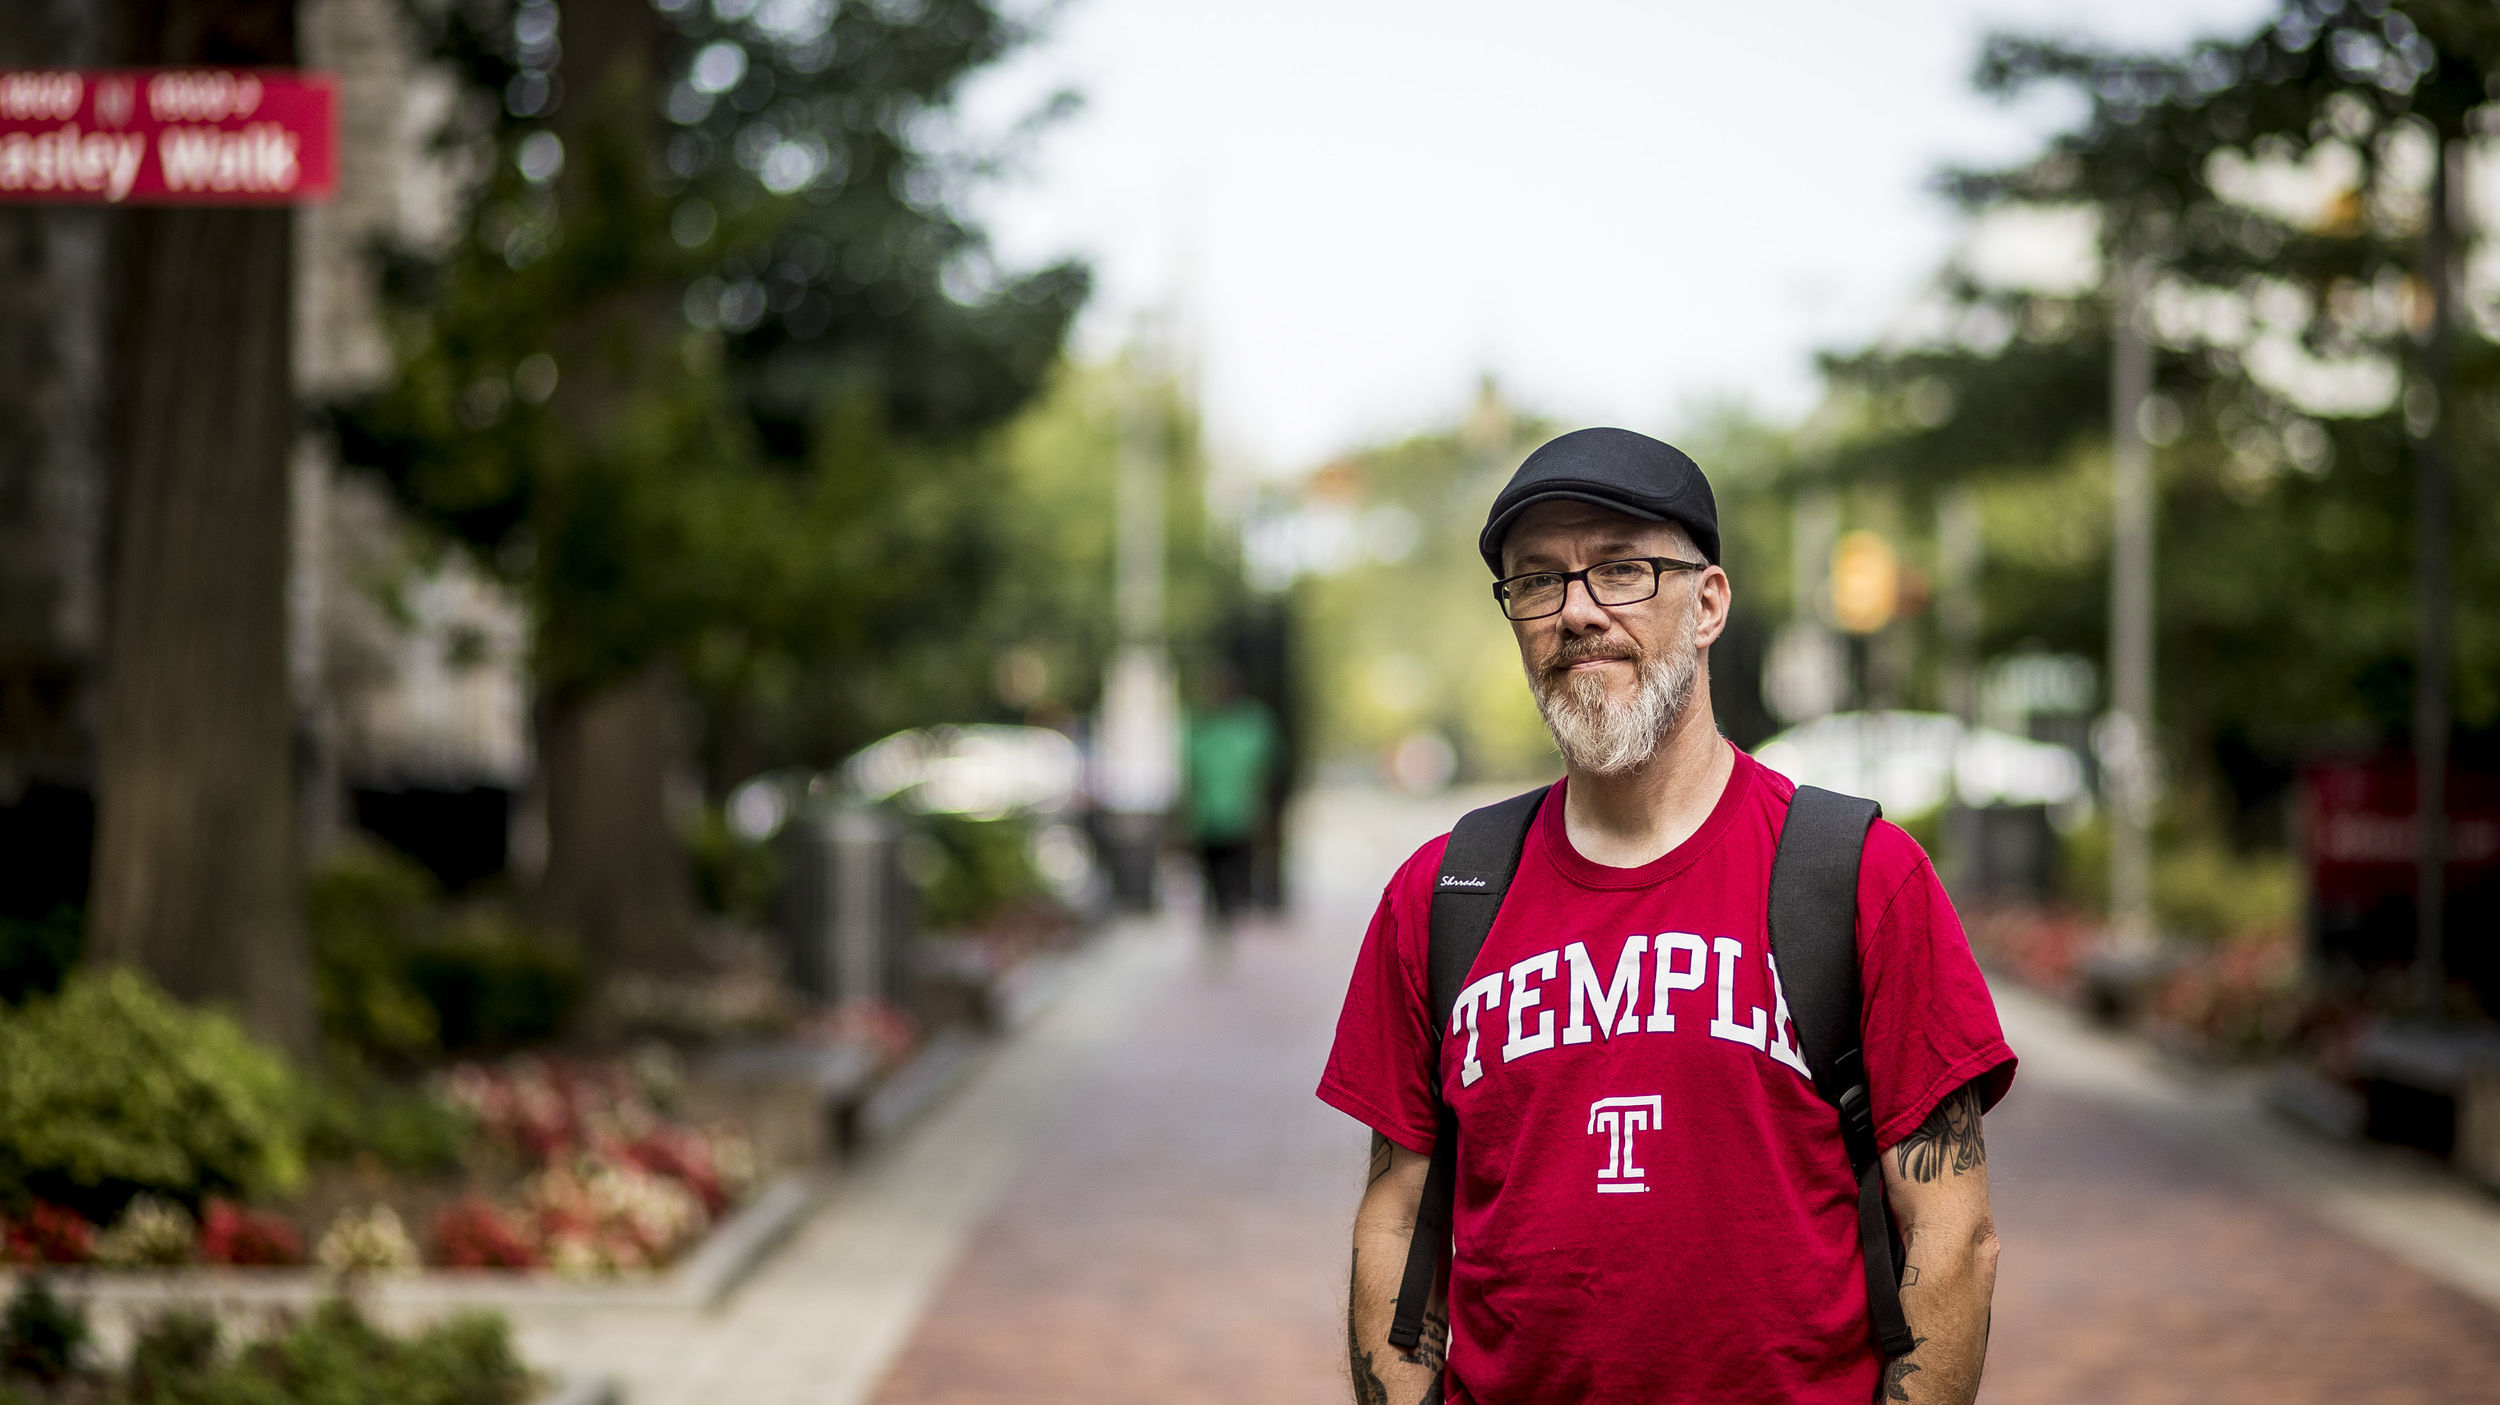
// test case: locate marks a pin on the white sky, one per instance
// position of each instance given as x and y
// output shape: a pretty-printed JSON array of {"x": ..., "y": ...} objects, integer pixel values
[{"x": 1620, "y": 209}]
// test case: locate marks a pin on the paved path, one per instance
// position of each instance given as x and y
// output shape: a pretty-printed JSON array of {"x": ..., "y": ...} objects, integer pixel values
[
  {"x": 821, "y": 1321},
  {"x": 1182, "y": 1236},
  {"x": 1142, "y": 1202}
]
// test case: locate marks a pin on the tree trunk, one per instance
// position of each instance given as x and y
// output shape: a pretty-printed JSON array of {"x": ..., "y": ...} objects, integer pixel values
[
  {"x": 617, "y": 877},
  {"x": 196, "y": 868}
]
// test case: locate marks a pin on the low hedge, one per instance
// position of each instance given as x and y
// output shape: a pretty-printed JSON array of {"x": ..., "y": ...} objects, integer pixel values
[{"x": 333, "y": 1356}]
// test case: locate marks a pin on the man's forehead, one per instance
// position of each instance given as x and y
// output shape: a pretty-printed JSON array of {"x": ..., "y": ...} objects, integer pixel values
[{"x": 1562, "y": 521}]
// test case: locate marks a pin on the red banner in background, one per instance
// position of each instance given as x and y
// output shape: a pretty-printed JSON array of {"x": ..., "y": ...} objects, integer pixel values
[
  {"x": 2359, "y": 828},
  {"x": 170, "y": 136}
]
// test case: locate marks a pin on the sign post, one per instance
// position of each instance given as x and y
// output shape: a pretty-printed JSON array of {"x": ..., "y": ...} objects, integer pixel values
[{"x": 174, "y": 136}]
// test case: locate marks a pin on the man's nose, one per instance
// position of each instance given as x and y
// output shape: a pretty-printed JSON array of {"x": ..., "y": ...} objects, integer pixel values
[{"x": 1580, "y": 610}]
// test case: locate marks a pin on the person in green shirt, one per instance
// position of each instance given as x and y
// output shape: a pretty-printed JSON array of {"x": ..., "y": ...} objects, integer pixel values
[{"x": 1228, "y": 753}]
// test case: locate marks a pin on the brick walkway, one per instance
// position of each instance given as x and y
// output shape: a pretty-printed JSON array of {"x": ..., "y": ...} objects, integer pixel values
[
  {"x": 2136, "y": 1270},
  {"x": 1180, "y": 1236}
]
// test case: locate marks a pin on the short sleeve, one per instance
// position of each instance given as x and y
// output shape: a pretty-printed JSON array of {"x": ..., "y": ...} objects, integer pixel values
[
  {"x": 1380, "y": 1070},
  {"x": 1930, "y": 1025}
]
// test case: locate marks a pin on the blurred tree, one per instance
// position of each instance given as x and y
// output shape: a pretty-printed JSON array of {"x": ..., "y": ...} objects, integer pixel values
[
  {"x": 699, "y": 374},
  {"x": 195, "y": 866},
  {"x": 2288, "y": 186},
  {"x": 1400, "y": 634}
]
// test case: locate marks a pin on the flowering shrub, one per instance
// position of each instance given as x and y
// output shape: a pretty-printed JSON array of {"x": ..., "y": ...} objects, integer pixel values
[
  {"x": 49, "y": 1234},
  {"x": 476, "y": 1234},
  {"x": 683, "y": 1155},
  {"x": 372, "y": 1242},
  {"x": 607, "y": 1184},
  {"x": 2041, "y": 947},
  {"x": 617, "y": 1187},
  {"x": 548, "y": 1108},
  {"x": 604, "y": 1216},
  {"x": 151, "y": 1231},
  {"x": 2240, "y": 998},
  {"x": 231, "y": 1234}
]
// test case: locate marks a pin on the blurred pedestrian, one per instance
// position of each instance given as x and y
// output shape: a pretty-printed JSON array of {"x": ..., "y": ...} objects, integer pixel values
[
  {"x": 1228, "y": 755},
  {"x": 1648, "y": 1198}
]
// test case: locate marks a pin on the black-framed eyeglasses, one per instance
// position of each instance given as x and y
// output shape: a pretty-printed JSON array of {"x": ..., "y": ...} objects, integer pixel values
[{"x": 1626, "y": 582}]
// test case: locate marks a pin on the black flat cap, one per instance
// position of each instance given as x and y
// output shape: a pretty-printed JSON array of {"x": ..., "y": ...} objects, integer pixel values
[{"x": 1614, "y": 468}]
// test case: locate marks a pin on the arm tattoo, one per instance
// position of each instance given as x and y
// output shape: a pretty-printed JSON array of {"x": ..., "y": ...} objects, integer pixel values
[
  {"x": 1897, "y": 1371},
  {"x": 1380, "y": 1158},
  {"x": 1948, "y": 1140},
  {"x": 1433, "y": 1349},
  {"x": 1368, "y": 1388}
]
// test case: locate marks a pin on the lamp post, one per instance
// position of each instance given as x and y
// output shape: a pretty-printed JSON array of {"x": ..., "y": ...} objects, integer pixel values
[
  {"x": 2422, "y": 411},
  {"x": 2125, "y": 740},
  {"x": 1138, "y": 752}
]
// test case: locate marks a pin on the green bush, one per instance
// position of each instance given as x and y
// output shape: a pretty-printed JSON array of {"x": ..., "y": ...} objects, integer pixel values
[
  {"x": 350, "y": 1114},
  {"x": 734, "y": 876},
  {"x": 366, "y": 909},
  {"x": 41, "y": 1337},
  {"x": 979, "y": 868},
  {"x": 331, "y": 1357},
  {"x": 171, "y": 1356},
  {"x": 403, "y": 977},
  {"x": 2202, "y": 889},
  {"x": 493, "y": 983},
  {"x": 109, "y": 1089}
]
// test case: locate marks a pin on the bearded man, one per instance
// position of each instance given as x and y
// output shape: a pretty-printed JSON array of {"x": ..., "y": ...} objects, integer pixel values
[{"x": 1732, "y": 1271}]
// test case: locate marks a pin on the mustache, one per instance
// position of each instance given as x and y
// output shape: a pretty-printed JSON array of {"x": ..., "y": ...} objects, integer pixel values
[{"x": 1576, "y": 651}]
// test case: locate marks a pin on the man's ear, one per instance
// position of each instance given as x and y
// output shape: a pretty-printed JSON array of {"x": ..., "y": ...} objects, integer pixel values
[{"x": 1713, "y": 598}]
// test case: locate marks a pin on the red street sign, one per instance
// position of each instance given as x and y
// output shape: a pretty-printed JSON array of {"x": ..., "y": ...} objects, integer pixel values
[
  {"x": 2359, "y": 831},
  {"x": 167, "y": 136}
]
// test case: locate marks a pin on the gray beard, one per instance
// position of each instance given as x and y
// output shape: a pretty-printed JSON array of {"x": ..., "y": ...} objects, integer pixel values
[{"x": 1604, "y": 738}]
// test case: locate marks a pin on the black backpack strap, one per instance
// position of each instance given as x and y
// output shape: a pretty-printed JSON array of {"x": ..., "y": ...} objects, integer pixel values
[
  {"x": 1814, "y": 908},
  {"x": 1476, "y": 870}
]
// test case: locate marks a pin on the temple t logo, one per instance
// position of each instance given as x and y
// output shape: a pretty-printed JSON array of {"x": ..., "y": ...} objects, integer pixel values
[{"x": 1622, "y": 1119}]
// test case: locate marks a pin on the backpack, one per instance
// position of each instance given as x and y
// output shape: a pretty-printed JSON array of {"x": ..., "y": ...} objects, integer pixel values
[{"x": 1813, "y": 921}]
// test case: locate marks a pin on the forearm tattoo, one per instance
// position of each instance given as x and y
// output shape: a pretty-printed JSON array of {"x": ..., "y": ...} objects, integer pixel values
[
  {"x": 1432, "y": 1349},
  {"x": 1368, "y": 1388},
  {"x": 1897, "y": 1371},
  {"x": 1948, "y": 1140}
]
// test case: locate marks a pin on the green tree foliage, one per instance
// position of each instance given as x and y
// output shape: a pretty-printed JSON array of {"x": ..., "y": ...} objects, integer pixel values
[
  {"x": 2280, "y": 184},
  {"x": 690, "y": 372},
  {"x": 703, "y": 373}
]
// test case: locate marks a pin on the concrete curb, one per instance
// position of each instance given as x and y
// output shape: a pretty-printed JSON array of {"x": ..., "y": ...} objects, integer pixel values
[
  {"x": 702, "y": 1278},
  {"x": 583, "y": 1390}
]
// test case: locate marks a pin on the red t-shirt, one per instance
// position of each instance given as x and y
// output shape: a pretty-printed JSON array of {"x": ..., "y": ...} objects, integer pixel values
[{"x": 1653, "y": 1205}]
